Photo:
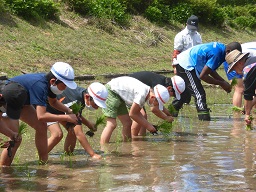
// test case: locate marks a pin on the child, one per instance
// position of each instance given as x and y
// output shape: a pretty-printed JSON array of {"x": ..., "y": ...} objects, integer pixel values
[
  {"x": 128, "y": 91},
  {"x": 30, "y": 105},
  {"x": 176, "y": 87},
  {"x": 91, "y": 98}
]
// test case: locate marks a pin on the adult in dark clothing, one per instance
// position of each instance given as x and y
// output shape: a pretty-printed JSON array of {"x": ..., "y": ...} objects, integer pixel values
[{"x": 175, "y": 86}]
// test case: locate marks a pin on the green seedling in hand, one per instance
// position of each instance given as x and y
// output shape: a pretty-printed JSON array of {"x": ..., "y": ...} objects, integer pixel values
[
  {"x": 249, "y": 126},
  {"x": 237, "y": 109},
  {"x": 76, "y": 108},
  {"x": 233, "y": 82},
  {"x": 171, "y": 109},
  {"x": 165, "y": 128},
  {"x": 22, "y": 128},
  {"x": 100, "y": 120}
]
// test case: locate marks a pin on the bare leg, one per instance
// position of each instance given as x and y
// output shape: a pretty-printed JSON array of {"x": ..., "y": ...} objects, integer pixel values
[
  {"x": 14, "y": 126},
  {"x": 29, "y": 116},
  {"x": 70, "y": 141},
  {"x": 127, "y": 123},
  {"x": 107, "y": 131},
  {"x": 136, "y": 128},
  {"x": 56, "y": 135},
  {"x": 238, "y": 94}
]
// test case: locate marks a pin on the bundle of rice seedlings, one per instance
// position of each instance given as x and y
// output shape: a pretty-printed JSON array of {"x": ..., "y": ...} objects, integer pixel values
[
  {"x": 165, "y": 128},
  {"x": 237, "y": 109},
  {"x": 76, "y": 108},
  {"x": 249, "y": 127},
  {"x": 22, "y": 128},
  {"x": 171, "y": 109},
  {"x": 233, "y": 82},
  {"x": 100, "y": 120}
]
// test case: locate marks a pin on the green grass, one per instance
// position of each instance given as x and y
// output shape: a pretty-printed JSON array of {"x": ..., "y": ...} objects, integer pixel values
[{"x": 34, "y": 47}]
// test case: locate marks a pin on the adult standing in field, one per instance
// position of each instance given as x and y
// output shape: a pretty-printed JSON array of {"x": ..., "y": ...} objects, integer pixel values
[
  {"x": 249, "y": 47},
  {"x": 186, "y": 39},
  {"x": 31, "y": 104},
  {"x": 91, "y": 98},
  {"x": 176, "y": 87},
  {"x": 246, "y": 66},
  {"x": 200, "y": 63},
  {"x": 129, "y": 92}
]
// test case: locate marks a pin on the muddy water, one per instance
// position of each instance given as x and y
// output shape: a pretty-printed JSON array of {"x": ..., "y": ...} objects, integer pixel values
[{"x": 197, "y": 156}]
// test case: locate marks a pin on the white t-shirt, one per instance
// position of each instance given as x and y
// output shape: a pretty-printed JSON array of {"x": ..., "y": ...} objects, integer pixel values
[
  {"x": 249, "y": 47},
  {"x": 130, "y": 90},
  {"x": 185, "y": 40}
]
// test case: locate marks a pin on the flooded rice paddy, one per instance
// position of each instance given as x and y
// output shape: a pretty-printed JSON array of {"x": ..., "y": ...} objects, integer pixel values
[{"x": 197, "y": 156}]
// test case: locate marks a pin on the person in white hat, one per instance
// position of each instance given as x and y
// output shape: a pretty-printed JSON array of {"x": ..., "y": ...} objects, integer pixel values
[
  {"x": 129, "y": 92},
  {"x": 176, "y": 87},
  {"x": 34, "y": 90},
  {"x": 246, "y": 66},
  {"x": 91, "y": 98}
]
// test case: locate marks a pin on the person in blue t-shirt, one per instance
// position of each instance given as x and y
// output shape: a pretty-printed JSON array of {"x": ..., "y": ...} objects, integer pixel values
[
  {"x": 92, "y": 98},
  {"x": 30, "y": 104},
  {"x": 200, "y": 63}
]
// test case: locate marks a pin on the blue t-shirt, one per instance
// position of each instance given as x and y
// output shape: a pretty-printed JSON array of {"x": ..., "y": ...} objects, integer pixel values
[
  {"x": 37, "y": 86},
  {"x": 211, "y": 55}
]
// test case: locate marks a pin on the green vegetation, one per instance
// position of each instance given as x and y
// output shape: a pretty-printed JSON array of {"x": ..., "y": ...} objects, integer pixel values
[
  {"x": 97, "y": 42},
  {"x": 76, "y": 107},
  {"x": 100, "y": 120}
]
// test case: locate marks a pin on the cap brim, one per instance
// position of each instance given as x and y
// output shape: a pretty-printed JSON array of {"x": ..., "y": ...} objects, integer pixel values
[
  {"x": 101, "y": 104},
  {"x": 177, "y": 95},
  {"x": 69, "y": 84},
  {"x": 13, "y": 113},
  {"x": 192, "y": 27},
  {"x": 160, "y": 104}
]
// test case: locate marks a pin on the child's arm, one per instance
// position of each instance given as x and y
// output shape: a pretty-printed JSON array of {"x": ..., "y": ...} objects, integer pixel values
[
  {"x": 135, "y": 114},
  {"x": 162, "y": 114},
  {"x": 89, "y": 124}
]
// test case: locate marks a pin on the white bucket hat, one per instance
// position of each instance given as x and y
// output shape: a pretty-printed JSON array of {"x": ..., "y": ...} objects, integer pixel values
[
  {"x": 162, "y": 95},
  {"x": 99, "y": 94},
  {"x": 65, "y": 73},
  {"x": 178, "y": 85}
]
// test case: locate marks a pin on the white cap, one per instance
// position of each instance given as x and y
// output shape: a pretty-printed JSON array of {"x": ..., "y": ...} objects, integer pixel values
[
  {"x": 162, "y": 95},
  {"x": 99, "y": 93},
  {"x": 178, "y": 85},
  {"x": 65, "y": 73}
]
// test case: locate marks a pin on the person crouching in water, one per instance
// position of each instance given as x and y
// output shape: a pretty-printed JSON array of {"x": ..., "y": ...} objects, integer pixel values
[{"x": 91, "y": 98}]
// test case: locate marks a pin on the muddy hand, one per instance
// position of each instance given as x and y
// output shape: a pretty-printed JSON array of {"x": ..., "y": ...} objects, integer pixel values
[{"x": 9, "y": 148}]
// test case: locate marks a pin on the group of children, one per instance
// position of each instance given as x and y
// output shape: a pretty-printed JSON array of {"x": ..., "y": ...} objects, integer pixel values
[{"x": 43, "y": 101}]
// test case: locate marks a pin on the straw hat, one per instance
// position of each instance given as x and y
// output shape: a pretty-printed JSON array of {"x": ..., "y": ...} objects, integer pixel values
[{"x": 233, "y": 57}]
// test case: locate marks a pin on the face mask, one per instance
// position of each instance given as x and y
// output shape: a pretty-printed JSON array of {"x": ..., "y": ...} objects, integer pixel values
[
  {"x": 191, "y": 32},
  {"x": 150, "y": 105},
  {"x": 89, "y": 107},
  {"x": 55, "y": 90}
]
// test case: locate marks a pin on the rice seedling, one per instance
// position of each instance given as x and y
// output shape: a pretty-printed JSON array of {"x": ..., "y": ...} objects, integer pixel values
[
  {"x": 22, "y": 128},
  {"x": 76, "y": 108},
  {"x": 233, "y": 82},
  {"x": 171, "y": 109},
  {"x": 165, "y": 128},
  {"x": 249, "y": 126},
  {"x": 99, "y": 121},
  {"x": 237, "y": 109}
]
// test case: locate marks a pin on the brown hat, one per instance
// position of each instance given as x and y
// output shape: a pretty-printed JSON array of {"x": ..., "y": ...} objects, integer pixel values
[{"x": 233, "y": 57}]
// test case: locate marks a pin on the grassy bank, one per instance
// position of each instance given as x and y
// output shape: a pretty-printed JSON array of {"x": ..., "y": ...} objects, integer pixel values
[{"x": 83, "y": 43}]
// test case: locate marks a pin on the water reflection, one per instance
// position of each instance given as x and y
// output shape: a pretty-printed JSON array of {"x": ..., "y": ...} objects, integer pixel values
[{"x": 198, "y": 156}]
